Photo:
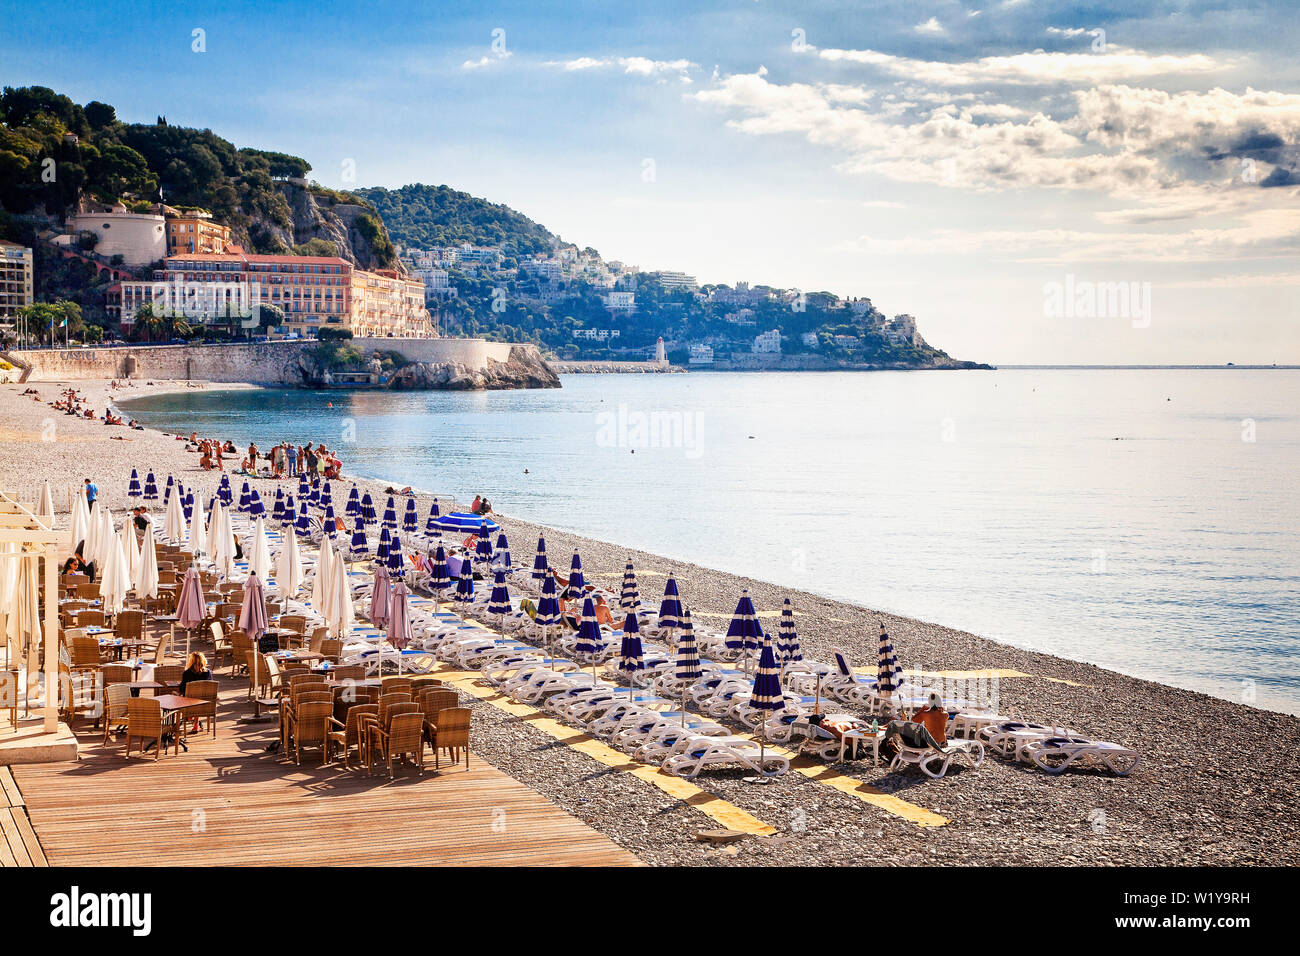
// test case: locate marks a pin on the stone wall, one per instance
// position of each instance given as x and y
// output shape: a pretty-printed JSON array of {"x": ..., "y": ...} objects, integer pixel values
[{"x": 261, "y": 363}]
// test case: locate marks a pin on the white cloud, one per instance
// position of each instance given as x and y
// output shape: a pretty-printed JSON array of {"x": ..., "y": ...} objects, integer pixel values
[
  {"x": 485, "y": 60},
  {"x": 931, "y": 27},
  {"x": 631, "y": 65}
]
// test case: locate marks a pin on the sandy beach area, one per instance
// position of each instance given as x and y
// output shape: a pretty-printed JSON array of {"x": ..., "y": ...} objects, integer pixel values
[{"x": 1218, "y": 784}]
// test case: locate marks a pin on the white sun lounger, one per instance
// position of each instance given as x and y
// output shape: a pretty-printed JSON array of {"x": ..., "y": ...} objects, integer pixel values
[
  {"x": 1058, "y": 754},
  {"x": 703, "y": 753},
  {"x": 935, "y": 763}
]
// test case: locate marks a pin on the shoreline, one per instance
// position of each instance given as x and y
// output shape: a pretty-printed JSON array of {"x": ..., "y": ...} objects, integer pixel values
[{"x": 1198, "y": 796}]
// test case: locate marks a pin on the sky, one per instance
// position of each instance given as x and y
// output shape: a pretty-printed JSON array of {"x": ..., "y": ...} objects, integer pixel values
[{"x": 1035, "y": 181}]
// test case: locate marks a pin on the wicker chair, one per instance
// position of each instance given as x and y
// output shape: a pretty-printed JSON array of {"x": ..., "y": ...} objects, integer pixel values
[
  {"x": 433, "y": 701},
  {"x": 242, "y": 646},
  {"x": 169, "y": 675},
  {"x": 129, "y": 627},
  {"x": 116, "y": 699},
  {"x": 90, "y": 617},
  {"x": 351, "y": 733},
  {"x": 144, "y": 722},
  {"x": 222, "y": 646},
  {"x": 420, "y": 684},
  {"x": 304, "y": 691},
  {"x": 311, "y": 726},
  {"x": 226, "y": 610},
  {"x": 405, "y": 737},
  {"x": 293, "y": 622},
  {"x": 85, "y": 652},
  {"x": 88, "y": 592},
  {"x": 397, "y": 685},
  {"x": 331, "y": 649},
  {"x": 451, "y": 733},
  {"x": 206, "y": 691},
  {"x": 381, "y": 730},
  {"x": 353, "y": 672}
]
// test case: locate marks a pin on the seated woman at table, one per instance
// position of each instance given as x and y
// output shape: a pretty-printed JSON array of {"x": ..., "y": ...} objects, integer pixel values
[{"x": 196, "y": 669}]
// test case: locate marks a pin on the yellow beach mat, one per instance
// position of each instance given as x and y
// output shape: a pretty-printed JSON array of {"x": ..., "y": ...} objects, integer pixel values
[{"x": 727, "y": 814}]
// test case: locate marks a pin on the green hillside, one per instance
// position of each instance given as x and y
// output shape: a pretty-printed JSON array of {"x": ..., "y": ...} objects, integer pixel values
[{"x": 425, "y": 216}]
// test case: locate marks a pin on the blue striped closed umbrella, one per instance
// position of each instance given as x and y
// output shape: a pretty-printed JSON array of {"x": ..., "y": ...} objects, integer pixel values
[
  {"x": 686, "y": 662},
  {"x": 226, "y": 496},
  {"x": 304, "y": 523},
  {"x": 328, "y": 522},
  {"x": 670, "y": 608},
  {"x": 744, "y": 633},
  {"x": 889, "y": 674},
  {"x": 396, "y": 557},
  {"x": 390, "y": 514},
  {"x": 245, "y": 498},
  {"x": 502, "y": 552},
  {"x": 150, "y": 487},
  {"x": 367, "y": 508},
  {"x": 277, "y": 506},
  {"x": 255, "y": 507},
  {"x": 629, "y": 598},
  {"x": 459, "y": 522},
  {"x": 465, "y": 584},
  {"x": 499, "y": 599},
  {"x": 631, "y": 656},
  {"x": 133, "y": 486},
  {"x": 313, "y": 494},
  {"x": 326, "y": 494},
  {"x": 171, "y": 481},
  {"x": 439, "y": 575},
  {"x": 287, "y": 514},
  {"x": 359, "y": 546},
  {"x": 304, "y": 489},
  {"x": 541, "y": 571},
  {"x": 576, "y": 581},
  {"x": 548, "y": 609},
  {"x": 410, "y": 520},
  {"x": 766, "y": 695},
  {"x": 189, "y": 505},
  {"x": 483, "y": 546},
  {"x": 353, "y": 506},
  {"x": 787, "y": 641},
  {"x": 381, "y": 549},
  {"x": 589, "y": 643},
  {"x": 431, "y": 525}
]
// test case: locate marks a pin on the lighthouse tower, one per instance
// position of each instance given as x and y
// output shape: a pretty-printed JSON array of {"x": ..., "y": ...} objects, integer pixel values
[{"x": 660, "y": 357}]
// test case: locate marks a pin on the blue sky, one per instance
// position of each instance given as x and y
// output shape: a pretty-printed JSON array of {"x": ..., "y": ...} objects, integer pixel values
[{"x": 955, "y": 160}]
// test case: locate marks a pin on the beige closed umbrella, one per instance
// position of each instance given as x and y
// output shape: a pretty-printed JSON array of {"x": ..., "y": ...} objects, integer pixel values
[
  {"x": 8, "y": 574},
  {"x": 197, "y": 543},
  {"x": 46, "y": 507},
  {"x": 259, "y": 551},
  {"x": 341, "y": 613},
  {"x": 321, "y": 581},
  {"x": 288, "y": 570},
  {"x": 114, "y": 579},
  {"x": 23, "y": 627}
]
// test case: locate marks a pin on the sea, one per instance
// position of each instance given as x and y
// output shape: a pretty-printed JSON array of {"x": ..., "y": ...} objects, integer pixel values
[{"x": 1146, "y": 520}]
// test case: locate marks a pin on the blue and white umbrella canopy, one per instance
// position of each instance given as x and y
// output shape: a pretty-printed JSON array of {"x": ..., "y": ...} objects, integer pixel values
[
  {"x": 628, "y": 598},
  {"x": 502, "y": 555},
  {"x": 767, "y": 682},
  {"x": 396, "y": 557},
  {"x": 329, "y": 522},
  {"x": 167, "y": 492},
  {"x": 589, "y": 642},
  {"x": 353, "y": 507},
  {"x": 314, "y": 494},
  {"x": 304, "y": 489},
  {"x": 255, "y": 507},
  {"x": 540, "y": 569},
  {"x": 787, "y": 641},
  {"x": 133, "y": 486},
  {"x": 459, "y": 522},
  {"x": 439, "y": 574},
  {"x": 304, "y": 523},
  {"x": 744, "y": 632},
  {"x": 245, "y": 497},
  {"x": 631, "y": 657},
  {"x": 390, "y": 514},
  {"x": 410, "y": 520},
  {"x": 548, "y": 605},
  {"x": 326, "y": 494},
  {"x": 483, "y": 546},
  {"x": 670, "y": 608},
  {"x": 150, "y": 487},
  {"x": 576, "y": 580},
  {"x": 889, "y": 674},
  {"x": 359, "y": 546},
  {"x": 465, "y": 585},
  {"x": 224, "y": 494},
  {"x": 277, "y": 506},
  {"x": 499, "y": 600},
  {"x": 188, "y": 505},
  {"x": 287, "y": 513},
  {"x": 686, "y": 663},
  {"x": 431, "y": 526},
  {"x": 381, "y": 549}
]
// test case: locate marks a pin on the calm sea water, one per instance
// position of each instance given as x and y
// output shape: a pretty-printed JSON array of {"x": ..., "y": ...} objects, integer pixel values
[{"x": 1144, "y": 520}]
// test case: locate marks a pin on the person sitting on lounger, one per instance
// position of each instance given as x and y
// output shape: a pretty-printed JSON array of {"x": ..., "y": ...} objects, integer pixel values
[
  {"x": 934, "y": 718},
  {"x": 603, "y": 615}
]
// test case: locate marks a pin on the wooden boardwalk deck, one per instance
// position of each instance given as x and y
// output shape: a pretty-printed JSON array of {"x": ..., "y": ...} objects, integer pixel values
[{"x": 227, "y": 802}]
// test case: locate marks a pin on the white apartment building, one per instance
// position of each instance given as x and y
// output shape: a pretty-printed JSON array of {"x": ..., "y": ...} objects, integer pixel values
[
  {"x": 701, "y": 355},
  {"x": 677, "y": 281},
  {"x": 768, "y": 342},
  {"x": 621, "y": 301}
]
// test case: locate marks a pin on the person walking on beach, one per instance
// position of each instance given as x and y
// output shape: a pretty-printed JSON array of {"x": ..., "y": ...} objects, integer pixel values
[
  {"x": 92, "y": 492},
  {"x": 252, "y": 456},
  {"x": 293, "y": 460}
]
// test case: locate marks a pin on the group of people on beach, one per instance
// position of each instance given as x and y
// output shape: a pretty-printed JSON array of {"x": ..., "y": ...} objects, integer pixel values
[
  {"x": 285, "y": 460},
  {"x": 71, "y": 402}
]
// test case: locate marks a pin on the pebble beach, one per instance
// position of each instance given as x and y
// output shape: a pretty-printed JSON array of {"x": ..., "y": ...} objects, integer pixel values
[{"x": 1217, "y": 785}]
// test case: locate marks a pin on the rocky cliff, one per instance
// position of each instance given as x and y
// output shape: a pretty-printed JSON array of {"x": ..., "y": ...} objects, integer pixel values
[
  {"x": 354, "y": 230},
  {"x": 525, "y": 368}
]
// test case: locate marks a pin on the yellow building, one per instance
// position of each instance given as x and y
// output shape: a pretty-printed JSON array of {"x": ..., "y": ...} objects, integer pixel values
[
  {"x": 194, "y": 233},
  {"x": 15, "y": 280},
  {"x": 386, "y": 303}
]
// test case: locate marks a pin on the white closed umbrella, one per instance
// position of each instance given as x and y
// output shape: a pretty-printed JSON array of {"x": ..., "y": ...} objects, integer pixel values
[
  {"x": 130, "y": 551},
  {"x": 146, "y": 578},
  {"x": 259, "y": 551},
  {"x": 113, "y": 580},
  {"x": 8, "y": 574},
  {"x": 23, "y": 628},
  {"x": 46, "y": 507},
  {"x": 223, "y": 545},
  {"x": 320, "y": 583},
  {"x": 341, "y": 614},
  {"x": 80, "y": 519},
  {"x": 94, "y": 528},
  {"x": 197, "y": 543},
  {"x": 174, "y": 520},
  {"x": 288, "y": 570}
]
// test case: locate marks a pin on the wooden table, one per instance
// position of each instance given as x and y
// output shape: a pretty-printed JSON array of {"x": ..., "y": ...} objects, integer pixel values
[
  {"x": 173, "y": 708},
  {"x": 139, "y": 685}
]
